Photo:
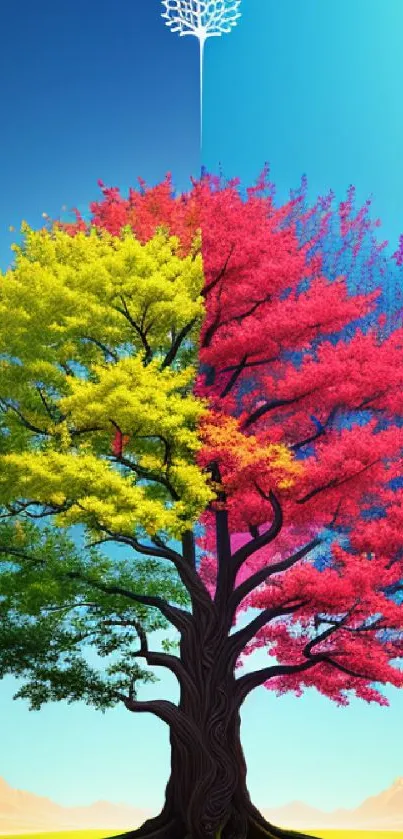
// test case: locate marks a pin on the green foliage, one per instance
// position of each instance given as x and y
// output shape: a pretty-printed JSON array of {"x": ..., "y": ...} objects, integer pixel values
[
  {"x": 98, "y": 434},
  {"x": 64, "y": 637}
]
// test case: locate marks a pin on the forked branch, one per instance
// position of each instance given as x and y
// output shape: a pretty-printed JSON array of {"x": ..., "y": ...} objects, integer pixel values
[
  {"x": 176, "y": 344},
  {"x": 268, "y": 571},
  {"x": 250, "y": 681},
  {"x": 260, "y": 541},
  {"x": 238, "y": 641},
  {"x": 161, "y": 708},
  {"x": 156, "y": 659}
]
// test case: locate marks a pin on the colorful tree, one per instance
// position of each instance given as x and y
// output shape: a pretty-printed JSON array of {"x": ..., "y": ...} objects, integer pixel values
[{"x": 232, "y": 420}]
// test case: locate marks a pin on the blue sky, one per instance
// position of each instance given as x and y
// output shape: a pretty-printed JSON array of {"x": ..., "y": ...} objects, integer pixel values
[
  {"x": 313, "y": 87},
  {"x": 310, "y": 86},
  {"x": 94, "y": 90}
]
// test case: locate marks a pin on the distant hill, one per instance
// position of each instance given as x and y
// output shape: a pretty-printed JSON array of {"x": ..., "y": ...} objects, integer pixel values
[
  {"x": 387, "y": 806},
  {"x": 22, "y": 811},
  {"x": 25, "y": 812},
  {"x": 380, "y": 812}
]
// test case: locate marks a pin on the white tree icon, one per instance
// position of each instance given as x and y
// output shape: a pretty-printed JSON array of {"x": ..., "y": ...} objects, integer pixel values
[{"x": 203, "y": 19}]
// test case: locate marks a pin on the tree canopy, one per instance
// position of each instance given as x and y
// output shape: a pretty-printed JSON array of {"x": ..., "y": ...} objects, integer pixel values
[
  {"x": 195, "y": 420},
  {"x": 92, "y": 351}
]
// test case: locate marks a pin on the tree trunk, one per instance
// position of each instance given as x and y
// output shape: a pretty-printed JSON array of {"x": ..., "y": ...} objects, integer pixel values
[{"x": 207, "y": 796}]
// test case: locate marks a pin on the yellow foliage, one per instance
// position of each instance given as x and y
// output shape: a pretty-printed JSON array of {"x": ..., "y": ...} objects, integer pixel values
[
  {"x": 93, "y": 318},
  {"x": 96, "y": 389},
  {"x": 63, "y": 288}
]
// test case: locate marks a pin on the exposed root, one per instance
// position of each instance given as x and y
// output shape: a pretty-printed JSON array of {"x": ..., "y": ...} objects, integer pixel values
[
  {"x": 265, "y": 830},
  {"x": 155, "y": 829},
  {"x": 257, "y": 829}
]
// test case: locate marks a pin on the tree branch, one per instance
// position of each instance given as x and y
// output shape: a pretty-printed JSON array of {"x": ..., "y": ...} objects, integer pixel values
[
  {"x": 158, "y": 550},
  {"x": 177, "y": 617},
  {"x": 249, "y": 364},
  {"x": 35, "y": 430},
  {"x": 147, "y": 475},
  {"x": 106, "y": 351},
  {"x": 322, "y": 430},
  {"x": 23, "y": 507},
  {"x": 171, "y": 355},
  {"x": 238, "y": 641},
  {"x": 335, "y": 483},
  {"x": 140, "y": 332},
  {"x": 261, "y": 576},
  {"x": 219, "y": 276},
  {"x": 264, "y": 409},
  {"x": 208, "y": 335},
  {"x": 185, "y": 565},
  {"x": 161, "y": 708},
  {"x": 242, "y": 554},
  {"x": 187, "y": 571},
  {"x": 245, "y": 684},
  {"x": 67, "y": 369},
  {"x": 69, "y": 607},
  {"x": 275, "y": 403},
  {"x": 237, "y": 372},
  {"x": 372, "y": 627},
  {"x": 224, "y": 573},
  {"x": 156, "y": 659},
  {"x": 234, "y": 319},
  {"x": 50, "y": 410},
  {"x": 188, "y": 547},
  {"x": 223, "y": 544}
]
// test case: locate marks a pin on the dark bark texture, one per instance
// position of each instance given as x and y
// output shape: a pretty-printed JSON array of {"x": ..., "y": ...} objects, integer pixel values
[{"x": 207, "y": 796}]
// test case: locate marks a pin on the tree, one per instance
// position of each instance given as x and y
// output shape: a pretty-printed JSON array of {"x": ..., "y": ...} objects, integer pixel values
[
  {"x": 222, "y": 420},
  {"x": 202, "y": 19}
]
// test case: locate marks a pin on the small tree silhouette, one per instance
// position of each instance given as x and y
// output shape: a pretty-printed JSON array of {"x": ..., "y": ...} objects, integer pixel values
[{"x": 203, "y": 19}]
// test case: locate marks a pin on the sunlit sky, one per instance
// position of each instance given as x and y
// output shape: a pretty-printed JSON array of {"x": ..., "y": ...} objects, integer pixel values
[{"x": 313, "y": 87}]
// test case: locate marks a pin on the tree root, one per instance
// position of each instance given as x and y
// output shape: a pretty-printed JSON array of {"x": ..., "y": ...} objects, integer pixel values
[
  {"x": 257, "y": 829},
  {"x": 155, "y": 829},
  {"x": 268, "y": 831}
]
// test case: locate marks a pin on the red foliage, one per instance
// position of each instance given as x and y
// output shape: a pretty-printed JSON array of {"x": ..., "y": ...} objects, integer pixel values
[
  {"x": 276, "y": 354},
  {"x": 119, "y": 442},
  {"x": 144, "y": 210}
]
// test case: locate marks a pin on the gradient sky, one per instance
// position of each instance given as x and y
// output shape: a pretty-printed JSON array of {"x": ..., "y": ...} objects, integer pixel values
[
  {"x": 310, "y": 86},
  {"x": 90, "y": 90}
]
